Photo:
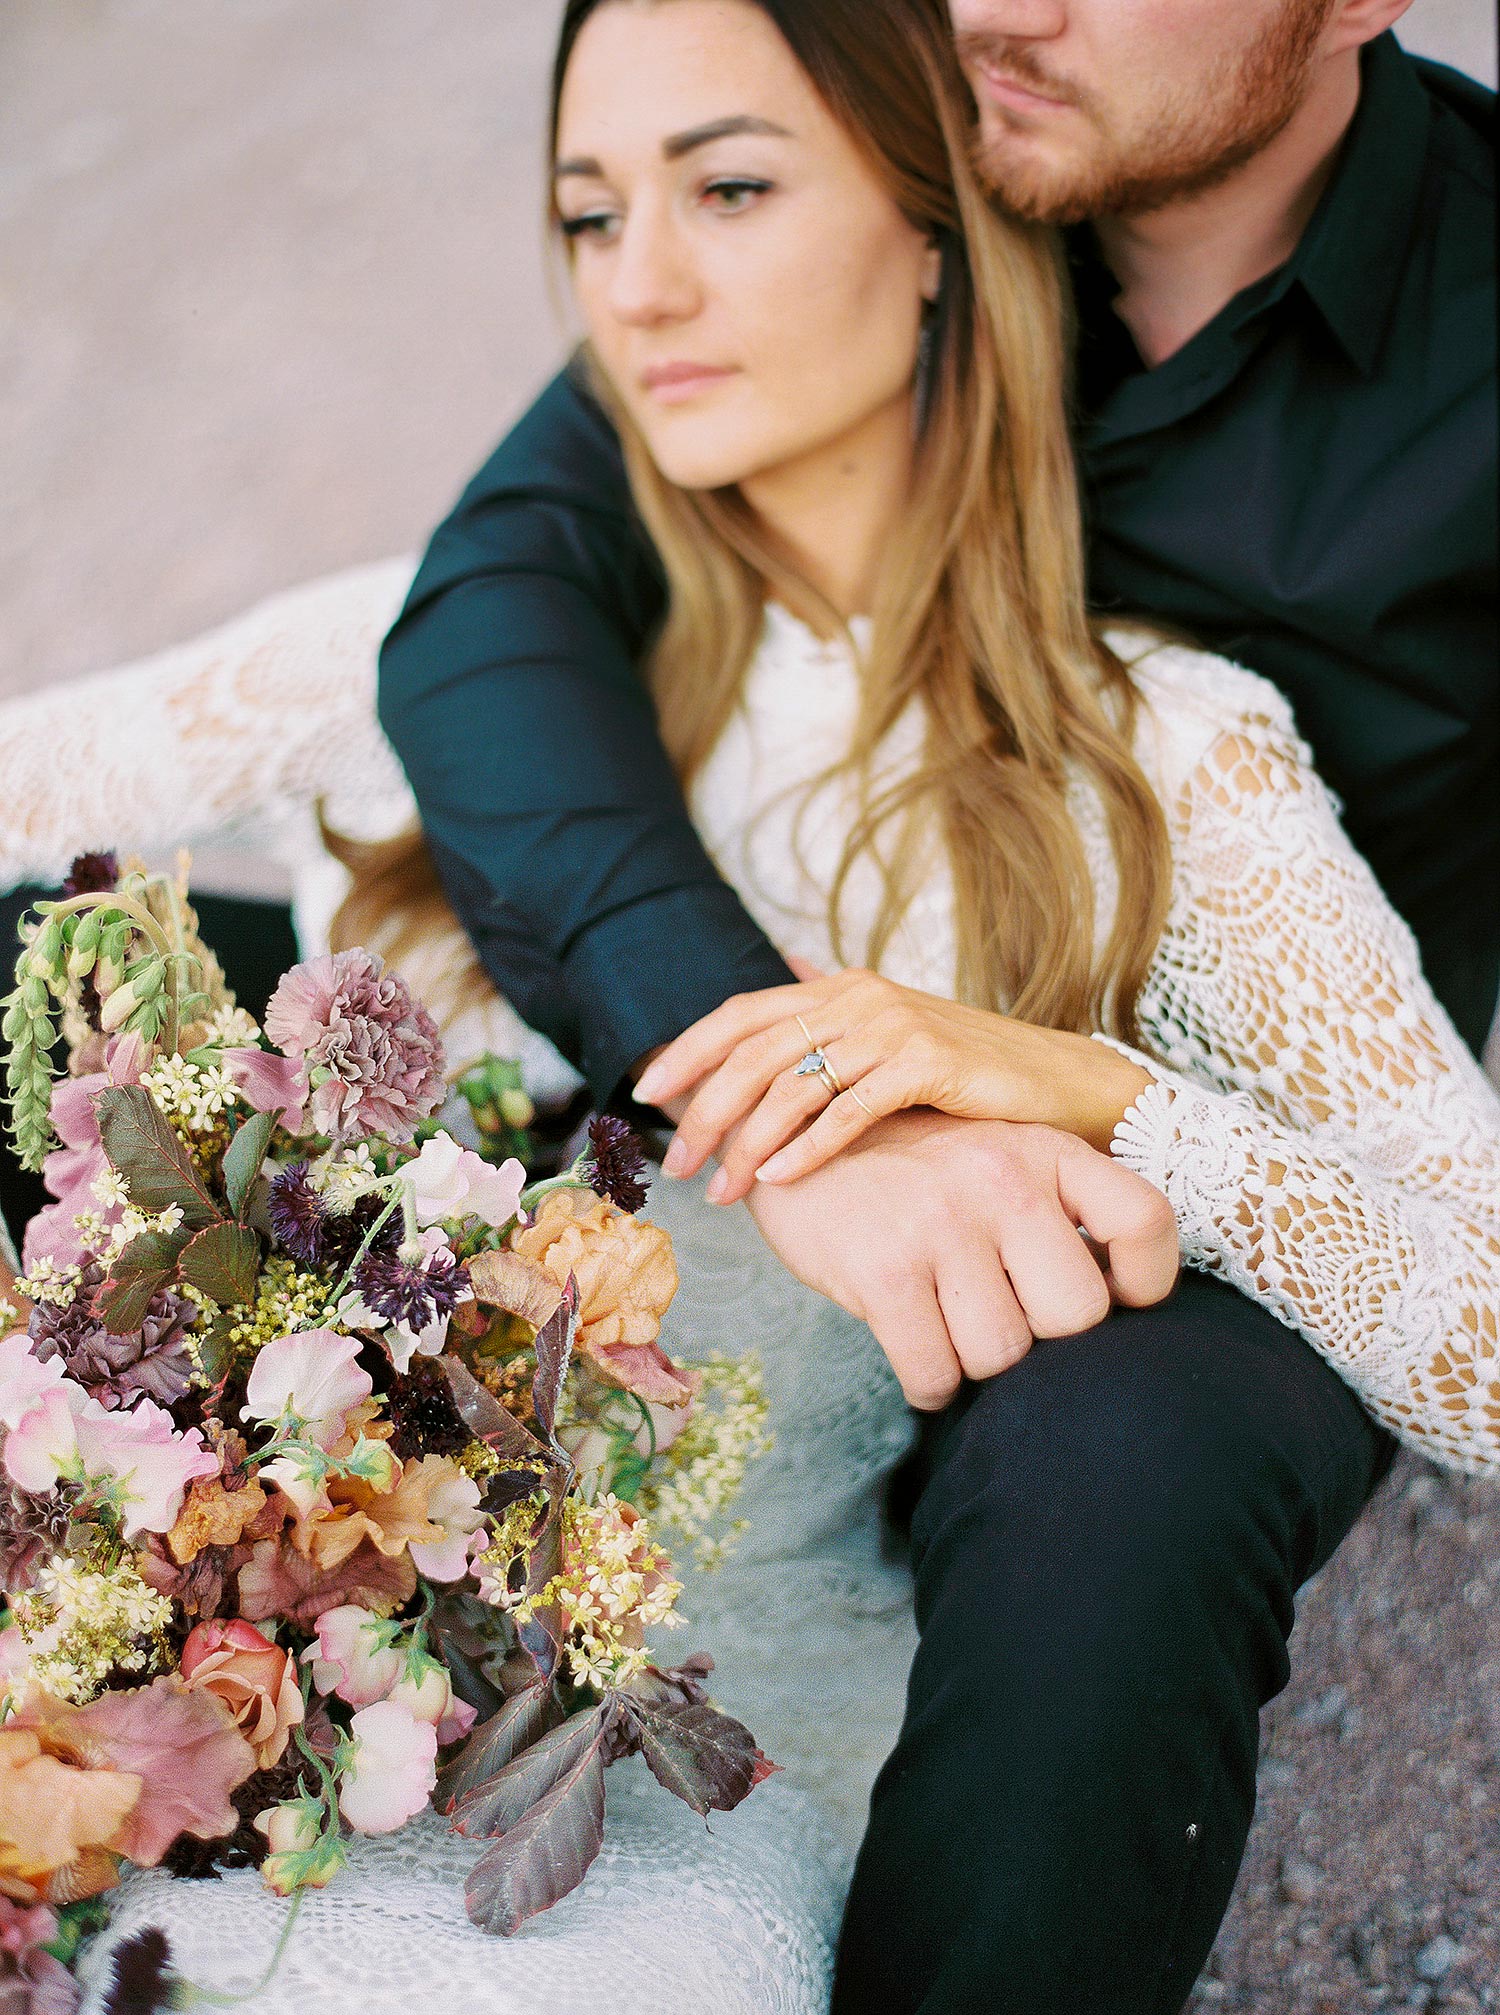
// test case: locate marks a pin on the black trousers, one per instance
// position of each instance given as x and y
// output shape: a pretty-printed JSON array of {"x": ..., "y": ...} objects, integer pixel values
[{"x": 1106, "y": 1553}]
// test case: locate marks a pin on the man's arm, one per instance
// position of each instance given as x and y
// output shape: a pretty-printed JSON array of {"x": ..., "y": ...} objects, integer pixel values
[{"x": 510, "y": 689}]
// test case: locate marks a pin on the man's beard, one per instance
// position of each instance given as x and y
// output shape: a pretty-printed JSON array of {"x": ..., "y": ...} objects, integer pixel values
[{"x": 1182, "y": 144}]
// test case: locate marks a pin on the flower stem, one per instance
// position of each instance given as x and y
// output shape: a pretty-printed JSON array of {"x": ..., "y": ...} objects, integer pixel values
[{"x": 193, "y": 1995}]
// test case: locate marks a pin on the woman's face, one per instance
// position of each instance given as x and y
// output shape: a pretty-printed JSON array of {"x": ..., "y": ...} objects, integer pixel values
[{"x": 750, "y": 289}]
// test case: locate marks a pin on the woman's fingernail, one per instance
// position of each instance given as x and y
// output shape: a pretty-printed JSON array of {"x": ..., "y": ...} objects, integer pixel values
[
  {"x": 647, "y": 1087},
  {"x": 718, "y": 1186},
  {"x": 674, "y": 1161},
  {"x": 772, "y": 1170}
]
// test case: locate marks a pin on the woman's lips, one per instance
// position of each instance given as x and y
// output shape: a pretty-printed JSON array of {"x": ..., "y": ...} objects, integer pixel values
[{"x": 672, "y": 384}]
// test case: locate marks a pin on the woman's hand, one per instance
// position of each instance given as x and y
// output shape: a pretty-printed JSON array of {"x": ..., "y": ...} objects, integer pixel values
[{"x": 891, "y": 1047}]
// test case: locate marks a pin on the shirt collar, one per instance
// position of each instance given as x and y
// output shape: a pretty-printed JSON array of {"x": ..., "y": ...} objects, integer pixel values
[{"x": 1350, "y": 259}]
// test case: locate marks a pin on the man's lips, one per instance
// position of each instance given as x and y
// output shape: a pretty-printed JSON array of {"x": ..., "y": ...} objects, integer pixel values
[
  {"x": 1008, "y": 90},
  {"x": 670, "y": 384}
]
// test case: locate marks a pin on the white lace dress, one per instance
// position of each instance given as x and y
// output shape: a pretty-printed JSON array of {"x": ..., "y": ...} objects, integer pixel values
[{"x": 1327, "y": 1142}]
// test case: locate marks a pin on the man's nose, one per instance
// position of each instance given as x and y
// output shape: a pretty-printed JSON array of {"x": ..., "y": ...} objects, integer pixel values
[
  {"x": 1010, "y": 20},
  {"x": 653, "y": 279}
]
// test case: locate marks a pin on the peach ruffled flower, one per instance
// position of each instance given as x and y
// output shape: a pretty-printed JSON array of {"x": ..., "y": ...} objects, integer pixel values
[
  {"x": 57, "y": 1821},
  {"x": 255, "y": 1679},
  {"x": 626, "y": 1278}
]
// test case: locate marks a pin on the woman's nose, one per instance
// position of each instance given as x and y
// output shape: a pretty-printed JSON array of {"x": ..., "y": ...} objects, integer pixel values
[{"x": 653, "y": 279}]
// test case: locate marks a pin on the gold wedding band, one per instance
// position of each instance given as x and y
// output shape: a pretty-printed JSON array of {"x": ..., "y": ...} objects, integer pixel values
[
  {"x": 854, "y": 1094},
  {"x": 806, "y": 1031}
]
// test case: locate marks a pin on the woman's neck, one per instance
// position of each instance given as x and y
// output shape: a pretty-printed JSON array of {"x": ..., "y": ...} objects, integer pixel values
[{"x": 833, "y": 511}]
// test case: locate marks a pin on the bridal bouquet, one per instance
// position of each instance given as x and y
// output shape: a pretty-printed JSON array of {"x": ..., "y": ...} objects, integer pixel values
[{"x": 333, "y": 1453}]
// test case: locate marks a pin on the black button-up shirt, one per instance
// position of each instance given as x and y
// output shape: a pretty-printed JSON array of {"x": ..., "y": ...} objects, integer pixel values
[{"x": 1307, "y": 486}]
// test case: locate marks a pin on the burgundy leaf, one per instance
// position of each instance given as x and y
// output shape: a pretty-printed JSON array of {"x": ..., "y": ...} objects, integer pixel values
[
  {"x": 488, "y": 1420},
  {"x": 223, "y": 1262},
  {"x": 545, "y": 1856},
  {"x": 142, "y": 1148},
  {"x": 139, "y": 1273},
  {"x": 494, "y": 1807},
  {"x": 554, "y": 1350},
  {"x": 703, "y": 1757},
  {"x": 523, "y": 1720}
]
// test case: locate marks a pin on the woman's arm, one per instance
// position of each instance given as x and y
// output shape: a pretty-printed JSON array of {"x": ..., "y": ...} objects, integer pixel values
[
  {"x": 232, "y": 738},
  {"x": 510, "y": 689},
  {"x": 1326, "y": 1140}
]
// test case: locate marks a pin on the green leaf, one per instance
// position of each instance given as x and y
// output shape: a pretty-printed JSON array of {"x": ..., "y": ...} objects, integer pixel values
[
  {"x": 243, "y": 1157},
  {"x": 146, "y": 1265},
  {"x": 142, "y": 1148},
  {"x": 703, "y": 1757},
  {"x": 223, "y": 1262},
  {"x": 546, "y": 1854},
  {"x": 524, "y": 1719}
]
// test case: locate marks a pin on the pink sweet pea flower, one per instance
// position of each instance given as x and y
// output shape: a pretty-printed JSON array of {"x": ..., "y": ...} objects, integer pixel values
[
  {"x": 429, "y": 1697},
  {"x": 24, "y": 1378},
  {"x": 146, "y": 1454},
  {"x": 391, "y": 1768},
  {"x": 43, "y": 1444},
  {"x": 452, "y": 1181},
  {"x": 311, "y": 1374},
  {"x": 454, "y": 1505},
  {"x": 353, "y": 1656},
  {"x": 71, "y": 1170},
  {"x": 272, "y": 1083}
]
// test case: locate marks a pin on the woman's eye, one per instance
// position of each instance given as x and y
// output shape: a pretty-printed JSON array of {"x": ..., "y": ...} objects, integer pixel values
[
  {"x": 732, "y": 194},
  {"x": 592, "y": 224}
]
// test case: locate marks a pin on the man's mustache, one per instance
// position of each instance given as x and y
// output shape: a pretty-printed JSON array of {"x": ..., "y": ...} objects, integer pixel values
[{"x": 1015, "y": 60}]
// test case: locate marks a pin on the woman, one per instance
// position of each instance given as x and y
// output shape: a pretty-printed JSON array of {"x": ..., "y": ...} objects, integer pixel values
[{"x": 838, "y": 378}]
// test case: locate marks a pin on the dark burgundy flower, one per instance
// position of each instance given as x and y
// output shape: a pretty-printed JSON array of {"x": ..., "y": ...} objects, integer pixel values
[
  {"x": 92, "y": 875},
  {"x": 299, "y": 1216},
  {"x": 142, "y": 1977},
  {"x": 419, "y": 1406},
  {"x": 617, "y": 1166},
  {"x": 413, "y": 1295}
]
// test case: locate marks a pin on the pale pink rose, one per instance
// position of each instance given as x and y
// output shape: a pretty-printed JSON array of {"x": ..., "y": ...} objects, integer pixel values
[
  {"x": 71, "y": 1170},
  {"x": 290, "y": 1829},
  {"x": 271, "y": 1082},
  {"x": 392, "y": 1768},
  {"x": 23, "y": 1377},
  {"x": 311, "y": 1373},
  {"x": 352, "y": 1656},
  {"x": 255, "y": 1679},
  {"x": 293, "y": 1831},
  {"x": 142, "y": 1449},
  {"x": 452, "y": 1503},
  {"x": 430, "y": 1697},
  {"x": 453, "y": 1181}
]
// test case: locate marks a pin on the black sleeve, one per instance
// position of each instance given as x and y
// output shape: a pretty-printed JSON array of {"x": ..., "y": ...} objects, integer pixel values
[{"x": 510, "y": 691}]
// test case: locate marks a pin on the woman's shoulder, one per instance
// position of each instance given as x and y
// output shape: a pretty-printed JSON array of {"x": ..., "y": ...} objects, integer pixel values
[{"x": 1192, "y": 699}]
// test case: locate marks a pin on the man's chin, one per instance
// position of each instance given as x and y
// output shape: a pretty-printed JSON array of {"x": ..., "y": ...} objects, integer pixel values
[{"x": 1032, "y": 187}]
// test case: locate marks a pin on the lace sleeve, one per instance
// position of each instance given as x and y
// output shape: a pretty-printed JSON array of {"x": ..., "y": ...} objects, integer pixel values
[
  {"x": 230, "y": 739},
  {"x": 1327, "y": 1141}
]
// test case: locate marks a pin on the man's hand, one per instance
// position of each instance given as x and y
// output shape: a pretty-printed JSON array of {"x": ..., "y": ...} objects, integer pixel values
[{"x": 958, "y": 1242}]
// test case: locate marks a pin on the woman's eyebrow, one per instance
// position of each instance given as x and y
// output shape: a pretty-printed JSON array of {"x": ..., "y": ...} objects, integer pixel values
[
  {"x": 720, "y": 129},
  {"x": 679, "y": 144}
]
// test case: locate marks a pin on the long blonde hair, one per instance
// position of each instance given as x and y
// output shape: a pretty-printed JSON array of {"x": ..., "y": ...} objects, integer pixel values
[{"x": 982, "y": 613}]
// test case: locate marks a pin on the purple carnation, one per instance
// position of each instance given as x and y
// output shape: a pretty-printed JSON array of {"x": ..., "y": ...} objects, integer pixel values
[
  {"x": 617, "y": 1166},
  {"x": 415, "y": 1296},
  {"x": 114, "y": 1369},
  {"x": 372, "y": 1051}
]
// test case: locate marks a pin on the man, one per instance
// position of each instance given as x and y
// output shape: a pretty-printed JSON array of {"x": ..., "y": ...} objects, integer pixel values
[{"x": 1282, "y": 235}]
